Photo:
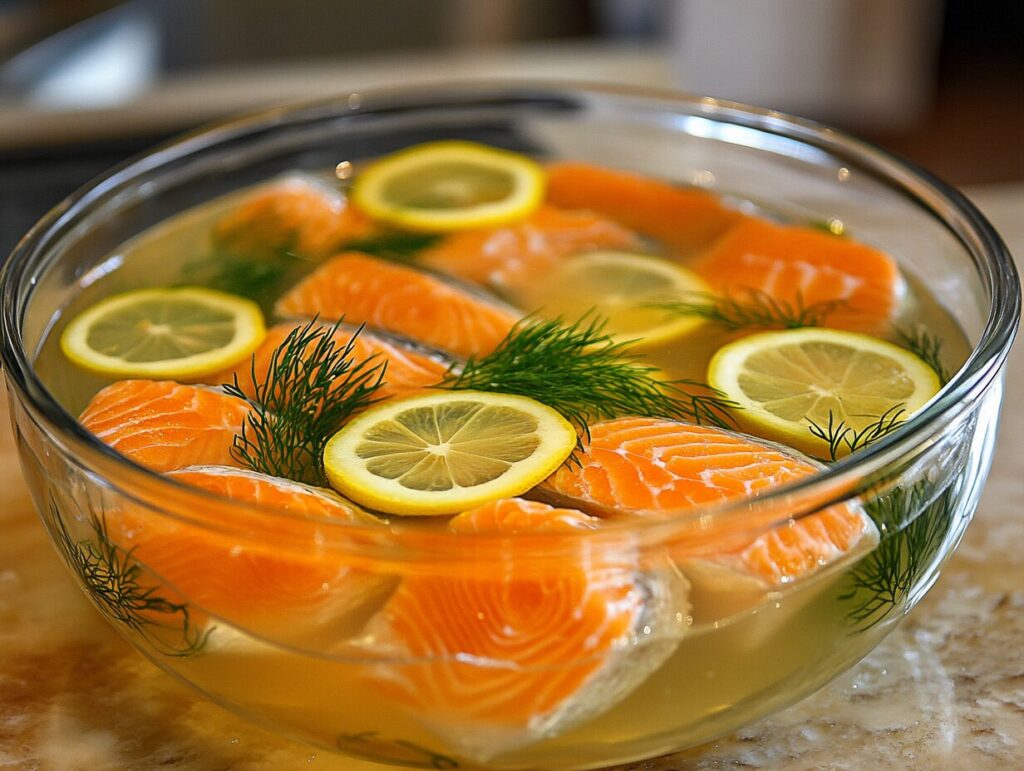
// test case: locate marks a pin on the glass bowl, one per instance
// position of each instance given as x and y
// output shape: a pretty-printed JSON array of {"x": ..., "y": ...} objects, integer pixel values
[{"x": 683, "y": 675}]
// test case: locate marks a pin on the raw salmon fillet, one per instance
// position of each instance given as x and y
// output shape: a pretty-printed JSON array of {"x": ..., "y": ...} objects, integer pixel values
[
  {"x": 519, "y": 647},
  {"x": 797, "y": 264},
  {"x": 166, "y": 425},
  {"x": 654, "y": 466},
  {"x": 685, "y": 219},
  {"x": 407, "y": 370},
  {"x": 408, "y": 302},
  {"x": 294, "y": 214},
  {"x": 299, "y": 593},
  {"x": 511, "y": 256}
]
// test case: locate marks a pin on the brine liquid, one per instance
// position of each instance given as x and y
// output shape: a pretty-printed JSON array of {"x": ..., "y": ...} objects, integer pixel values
[
  {"x": 727, "y": 667},
  {"x": 173, "y": 253},
  {"x": 719, "y": 675}
]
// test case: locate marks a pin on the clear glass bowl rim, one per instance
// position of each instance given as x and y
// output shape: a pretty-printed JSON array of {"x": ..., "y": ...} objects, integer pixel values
[{"x": 971, "y": 229}]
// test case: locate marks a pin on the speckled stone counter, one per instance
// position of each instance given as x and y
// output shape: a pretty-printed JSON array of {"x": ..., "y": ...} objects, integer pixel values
[{"x": 946, "y": 690}]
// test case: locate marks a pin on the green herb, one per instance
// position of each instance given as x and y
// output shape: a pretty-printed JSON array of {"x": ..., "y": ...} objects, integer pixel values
[
  {"x": 927, "y": 347},
  {"x": 258, "y": 278},
  {"x": 752, "y": 309},
  {"x": 581, "y": 372},
  {"x": 395, "y": 246},
  {"x": 838, "y": 434},
  {"x": 882, "y": 580},
  {"x": 311, "y": 387},
  {"x": 833, "y": 226},
  {"x": 112, "y": 579}
]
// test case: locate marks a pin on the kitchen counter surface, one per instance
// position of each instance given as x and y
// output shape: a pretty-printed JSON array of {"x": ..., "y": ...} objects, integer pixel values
[{"x": 945, "y": 690}]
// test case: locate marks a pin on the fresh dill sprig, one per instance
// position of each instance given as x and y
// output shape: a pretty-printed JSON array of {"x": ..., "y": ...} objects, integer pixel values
[
  {"x": 394, "y": 246},
  {"x": 750, "y": 308},
  {"x": 837, "y": 434},
  {"x": 883, "y": 579},
  {"x": 111, "y": 577},
  {"x": 927, "y": 347},
  {"x": 311, "y": 387},
  {"x": 580, "y": 371},
  {"x": 259, "y": 278}
]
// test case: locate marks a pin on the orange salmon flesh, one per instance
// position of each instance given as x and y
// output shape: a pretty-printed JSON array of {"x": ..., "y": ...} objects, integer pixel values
[
  {"x": 511, "y": 256},
  {"x": 165, "y": 425},
  {"x": 408, "y": 302},
  {"x": 653, "y": 466}
]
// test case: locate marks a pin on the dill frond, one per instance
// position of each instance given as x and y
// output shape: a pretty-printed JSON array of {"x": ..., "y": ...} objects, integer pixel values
[
  {"x": 394, "y": 246},
  {"x": 311, "y": 387},
  {"x": 581, "y": 372},
  {"x": 927, "y": 347},
  {"x": 882, "y": 580},
  {"x": 111, "y": 577},
  {"x": 837, "y": 434},
  {"x": 750, "y": 308},
  {"x": 259, "y": 278}
]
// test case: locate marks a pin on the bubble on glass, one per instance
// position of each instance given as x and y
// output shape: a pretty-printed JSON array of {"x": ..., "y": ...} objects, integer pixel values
[
  {"x": 703, "y": 178},
  {"x": 343, "y": 170}
]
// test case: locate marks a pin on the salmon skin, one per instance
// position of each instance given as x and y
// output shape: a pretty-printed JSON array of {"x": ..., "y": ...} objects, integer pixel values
[
  {"x": 407, "y": 370},
  {"x": 658, "y": 467},
  {"x": 302, "y": 595},
  {"x": 511, "y": 256},
  {"x": 165, "y": 425},
  {"x": 402, "y": 300},
  {"x": 798, "y": 265},
  {"x": 520, "y": 649}
]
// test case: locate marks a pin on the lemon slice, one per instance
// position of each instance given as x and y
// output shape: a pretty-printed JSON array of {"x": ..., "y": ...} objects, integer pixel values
[
  {"x": 179, "y": 333},
  {"x": 624, "y": 288},
  {"x": 453, "y": 185},
  {"x": 446, "y": 452},
  {"x": 784, "y": 381}
]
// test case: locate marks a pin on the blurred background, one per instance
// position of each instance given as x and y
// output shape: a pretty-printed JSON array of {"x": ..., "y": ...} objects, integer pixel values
[{"x": 86, "y": 83}]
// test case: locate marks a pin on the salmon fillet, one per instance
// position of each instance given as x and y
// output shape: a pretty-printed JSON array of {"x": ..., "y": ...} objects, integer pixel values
[
  {"x": 796, "y": 264},
  {"x": 685, "y": 219},
  {"x": 407, "y": 370},
  {"x": 511, "y": 256},
  {"x": 654, "y": 466},
  {"x": 165, "y": 425},
  {"x": 519, "y": 647},
  {"x": 399, "y": 299},
  {"x": 295, "y": 214},
  {"x": 299, "y": 594}
]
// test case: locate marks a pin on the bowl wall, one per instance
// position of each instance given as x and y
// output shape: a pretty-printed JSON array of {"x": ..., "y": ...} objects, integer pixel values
[{"x": 312, "y": 671}]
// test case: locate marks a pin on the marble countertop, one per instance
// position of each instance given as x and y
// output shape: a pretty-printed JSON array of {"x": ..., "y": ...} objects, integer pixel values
[{"x": 945, "y": 690}]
